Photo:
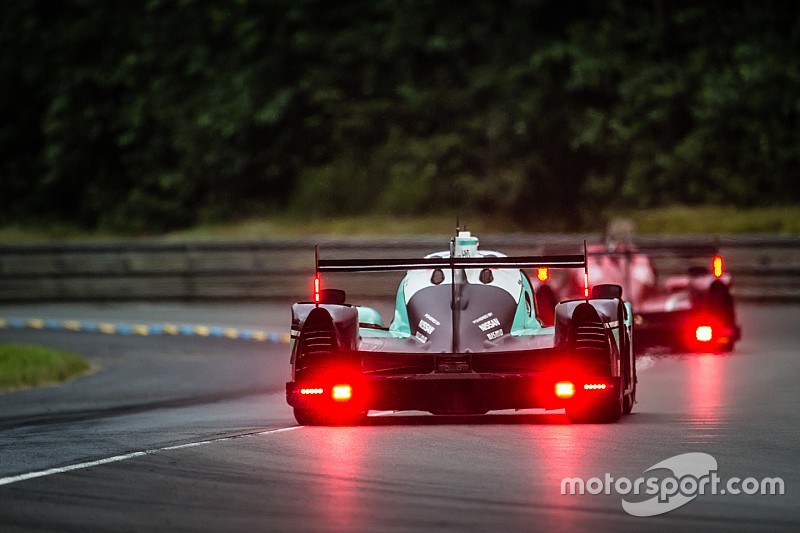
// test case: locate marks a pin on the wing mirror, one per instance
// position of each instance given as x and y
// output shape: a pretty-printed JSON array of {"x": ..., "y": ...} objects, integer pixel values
[
  {"x": 332, "y": 296},
  {"x": 606, "y": 291}
]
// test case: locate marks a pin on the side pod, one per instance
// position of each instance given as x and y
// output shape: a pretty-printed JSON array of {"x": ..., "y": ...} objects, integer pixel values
[
  {"x": 574, "y": 314},
  {"x": 343, "y": 319},
  {"x": 594, "y": 339}
]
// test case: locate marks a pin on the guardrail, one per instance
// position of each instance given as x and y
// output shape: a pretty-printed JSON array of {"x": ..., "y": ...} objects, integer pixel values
[{"x": 764, "y": 268}]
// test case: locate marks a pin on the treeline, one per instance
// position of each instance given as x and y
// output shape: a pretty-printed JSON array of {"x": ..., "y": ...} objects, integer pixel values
[{"x": 143, "y": 115}]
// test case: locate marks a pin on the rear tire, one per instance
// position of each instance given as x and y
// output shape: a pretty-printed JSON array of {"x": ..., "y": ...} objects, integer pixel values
[
  {"x": 313, "y": 417},
  {"x": 627, "y": 403},
  {"x": 306, "y": 417},
  {"x": 603, "y": 413},
  {"x": 630, "y": 399}
]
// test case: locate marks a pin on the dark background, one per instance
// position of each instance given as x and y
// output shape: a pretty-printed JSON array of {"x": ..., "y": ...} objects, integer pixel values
[{"x": 141, "y": 115}]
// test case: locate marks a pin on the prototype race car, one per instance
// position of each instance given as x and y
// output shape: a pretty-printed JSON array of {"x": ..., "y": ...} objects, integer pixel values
[
  {"x": 465, "y": 339},
  {"x": 689, "y": 312}
]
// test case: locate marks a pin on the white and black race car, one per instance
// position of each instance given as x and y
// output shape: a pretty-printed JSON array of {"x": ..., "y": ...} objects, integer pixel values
[{"x": 465, "y": 339}]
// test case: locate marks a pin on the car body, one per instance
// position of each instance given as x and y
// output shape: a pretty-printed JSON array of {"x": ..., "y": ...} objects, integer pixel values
[
  {"x": 692, "y": 311},
  {"x": 465, "y": 339}
]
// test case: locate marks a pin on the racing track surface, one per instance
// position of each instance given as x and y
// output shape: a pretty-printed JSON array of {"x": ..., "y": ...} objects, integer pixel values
[{"x": 399, "y": 472}]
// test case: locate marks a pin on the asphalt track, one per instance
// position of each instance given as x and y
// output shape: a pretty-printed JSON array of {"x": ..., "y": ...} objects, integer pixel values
[{"x": 179, "y": 434}]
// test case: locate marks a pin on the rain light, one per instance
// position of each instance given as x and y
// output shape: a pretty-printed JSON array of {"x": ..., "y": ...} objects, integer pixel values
[
  {"x": 565, "y": 389},
  {"x": 342, "y": 393}
]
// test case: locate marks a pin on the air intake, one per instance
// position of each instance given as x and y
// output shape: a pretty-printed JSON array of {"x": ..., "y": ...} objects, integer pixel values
[
  {"x": 317, "y": 337},
  {"x": 590, "y": 336},
  {"x": 317, "y": 342},
  {"x": 588, "y": 331}
]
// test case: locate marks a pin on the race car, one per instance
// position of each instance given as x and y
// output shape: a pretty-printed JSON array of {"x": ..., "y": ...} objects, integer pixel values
[
  {"x": 465, "y": 339},
  {"x": 687, "y": 312}
]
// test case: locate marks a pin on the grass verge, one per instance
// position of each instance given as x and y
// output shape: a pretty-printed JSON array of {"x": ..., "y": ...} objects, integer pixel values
[
  {"x": 671, "y": 220},
  {"x": 25, "y": 365},
  {"x": 719, "y": 220},
  {"x": 361, "y": 225}
]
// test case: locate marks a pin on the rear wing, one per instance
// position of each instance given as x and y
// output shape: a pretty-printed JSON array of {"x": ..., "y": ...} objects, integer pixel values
[
  {"x": 677, "y": 251},
  {"x": 386, "y": 265},
  {"x": 673, "y": 251},
  {"x": 452, "y": 263}
]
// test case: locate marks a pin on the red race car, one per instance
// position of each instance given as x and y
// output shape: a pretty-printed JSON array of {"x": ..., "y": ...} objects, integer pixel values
[{"x": 692, "y": 311}]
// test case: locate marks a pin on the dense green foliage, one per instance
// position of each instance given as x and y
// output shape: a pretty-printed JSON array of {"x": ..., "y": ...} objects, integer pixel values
[
  {"x": 142, "y": 115},
  {"x": 27, "y": 365}
]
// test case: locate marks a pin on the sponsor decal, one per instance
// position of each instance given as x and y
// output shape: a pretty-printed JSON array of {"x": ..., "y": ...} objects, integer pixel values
[
  {"x": 494, "y": 334},
  {"x": 489, "y": 324},
  {"x": 426, "y": 327}
]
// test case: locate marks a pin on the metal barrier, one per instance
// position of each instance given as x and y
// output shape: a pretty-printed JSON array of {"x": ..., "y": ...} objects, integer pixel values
[{"x": 764, "y": 267}]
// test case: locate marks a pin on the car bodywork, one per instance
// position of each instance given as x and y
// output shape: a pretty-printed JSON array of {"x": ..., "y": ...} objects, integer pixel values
[
  {"x": 465, "y": 339},
  {"x": 692, "y": 311}
]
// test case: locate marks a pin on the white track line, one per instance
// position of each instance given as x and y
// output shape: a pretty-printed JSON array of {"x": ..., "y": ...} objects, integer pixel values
[{"x": 132, "y": 455}]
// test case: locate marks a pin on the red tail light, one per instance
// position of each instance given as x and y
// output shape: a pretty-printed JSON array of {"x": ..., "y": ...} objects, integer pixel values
[
  {"x": 704, "y": 333},
  {"x": 586, "y": 285},
  {"x": 542, "y": 274},
  {"x": 565, "y": 389},
  {"x": 316, "y": 289},
  {"x": 718, "y": 266},
  {"x": 313, "y": 391},
  {"x": 342, "y": 393}
]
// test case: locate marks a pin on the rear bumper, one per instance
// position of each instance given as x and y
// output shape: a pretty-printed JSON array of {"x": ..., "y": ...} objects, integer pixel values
[{"x": 459, "y": 393}]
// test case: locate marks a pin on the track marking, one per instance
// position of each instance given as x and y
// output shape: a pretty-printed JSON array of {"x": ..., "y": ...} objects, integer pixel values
[
  {"x": 144, "y": 330},
  {"x": 124, "y": 457}
]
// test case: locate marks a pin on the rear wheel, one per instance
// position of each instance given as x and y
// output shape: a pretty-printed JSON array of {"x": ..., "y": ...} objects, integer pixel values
[
  {"x": 306, "y": 417},
  {"x": 628, "y": 401},
  {"x": 630, "y": 398},
  {"x": 720, "y": 304},
  {"x": 316, "y": 417},
  {"x": 601, "y": 413}
]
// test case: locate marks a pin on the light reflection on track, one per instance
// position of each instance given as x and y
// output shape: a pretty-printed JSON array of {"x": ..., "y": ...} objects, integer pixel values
[
  {"x": 706, "y": 377},
  {"x": 340, "y": 472}
]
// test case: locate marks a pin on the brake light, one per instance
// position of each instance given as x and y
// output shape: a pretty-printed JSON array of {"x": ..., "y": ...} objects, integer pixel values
[
  {"x": 542, "y": 274},
  {"x": 316, "y": 289},
  {"x": 311, "y": 391},
  {"x": 704, "y": 333},
  {"x": 718, "y": 264},
  {"x": 565, "y": 389},
  {"x": 594, "y": 386},
  {"x": 342, "y": 393}
]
